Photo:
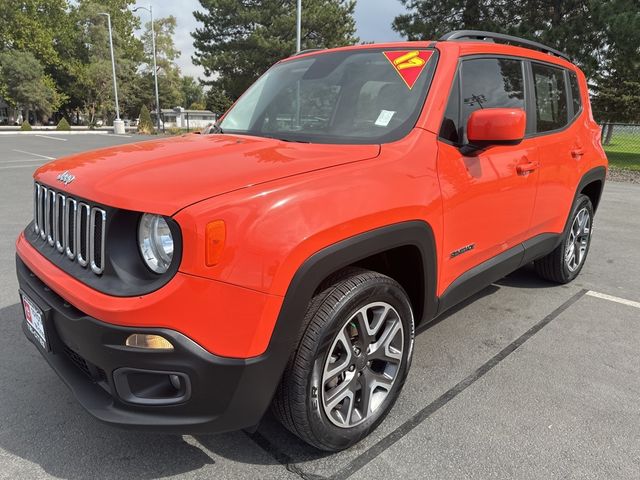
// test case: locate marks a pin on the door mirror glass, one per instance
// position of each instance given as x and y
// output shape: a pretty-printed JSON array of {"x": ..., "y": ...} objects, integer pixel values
[{"x": 496, "y": 126}]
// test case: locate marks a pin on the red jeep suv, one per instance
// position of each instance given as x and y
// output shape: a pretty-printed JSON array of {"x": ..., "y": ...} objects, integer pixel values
[{"x": 187, "y": 284}]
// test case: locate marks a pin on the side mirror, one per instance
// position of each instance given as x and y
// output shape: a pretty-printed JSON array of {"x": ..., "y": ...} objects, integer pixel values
[{"x": 496, "y": 126}]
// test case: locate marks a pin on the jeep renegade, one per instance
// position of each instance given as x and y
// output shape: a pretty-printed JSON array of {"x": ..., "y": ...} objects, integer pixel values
[{"x": 187, "y": 284}]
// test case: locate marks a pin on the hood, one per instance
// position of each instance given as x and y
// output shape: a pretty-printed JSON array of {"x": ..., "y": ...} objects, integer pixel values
[{"x": 163, "y": 176}]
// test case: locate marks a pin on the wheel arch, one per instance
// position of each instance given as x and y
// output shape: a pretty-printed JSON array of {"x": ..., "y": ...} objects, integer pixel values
[
  {"x": 591, "y": 184},
  {"x": 374, "y": 248}
]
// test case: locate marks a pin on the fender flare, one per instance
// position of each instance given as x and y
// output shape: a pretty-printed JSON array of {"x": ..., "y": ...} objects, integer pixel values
[
  {"x": 595, "y": 174},
  {"x": 319, "y": 266}
]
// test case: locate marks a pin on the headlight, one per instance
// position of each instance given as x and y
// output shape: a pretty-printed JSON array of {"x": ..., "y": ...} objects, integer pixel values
[{"x": 155, "y": 242}]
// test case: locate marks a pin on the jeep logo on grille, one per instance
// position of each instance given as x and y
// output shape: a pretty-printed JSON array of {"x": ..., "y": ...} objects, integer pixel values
[{"x": 66, "y": 177}]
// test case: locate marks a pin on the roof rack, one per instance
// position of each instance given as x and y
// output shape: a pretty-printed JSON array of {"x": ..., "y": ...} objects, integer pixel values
[
  {"x": 480, "y": 35},
  {"x": 308, "y": 50}
]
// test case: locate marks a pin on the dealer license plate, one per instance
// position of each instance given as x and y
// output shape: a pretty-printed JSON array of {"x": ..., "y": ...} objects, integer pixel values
[{"x": 35, "y": 320}]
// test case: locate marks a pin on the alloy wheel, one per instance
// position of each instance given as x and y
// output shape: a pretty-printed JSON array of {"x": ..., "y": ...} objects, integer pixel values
[
  {"x": 578, "y": 241},
  {"x": 362, "y": 364}
]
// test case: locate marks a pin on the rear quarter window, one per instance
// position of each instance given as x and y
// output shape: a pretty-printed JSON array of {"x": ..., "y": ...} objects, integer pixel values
[
  {"x": 551, "y": 98},
  {"x": 576, "y": 99}
]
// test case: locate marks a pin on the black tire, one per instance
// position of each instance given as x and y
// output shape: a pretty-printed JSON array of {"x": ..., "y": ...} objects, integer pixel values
[
  {"x": 298, "y": 403},
  {"x": 553, "y": 267}
]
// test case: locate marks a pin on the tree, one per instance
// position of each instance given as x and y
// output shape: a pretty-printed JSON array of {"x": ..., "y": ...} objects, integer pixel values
[
  {"x": 192, "y": 91},
  {"x": 44, "y": 29},
  {"x": 35, "y": 26},
  {"x": 145, "y": 125},
  {"x": 26, "y": 86},
  {"x": 217, "y": 101},
  {"x": 560, "y": 24},
  {"x": 89, "y": 79},
  {"x": 63, "y": 125},
  {"x": 601, "y": 36},
  {"x": 617, "y": 85},
  {"x": 240, "y": 39},
  {"x": 169, "y": 81}
]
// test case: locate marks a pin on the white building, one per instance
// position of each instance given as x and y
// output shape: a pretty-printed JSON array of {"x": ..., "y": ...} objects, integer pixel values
[{"x": 181, "y": 118}]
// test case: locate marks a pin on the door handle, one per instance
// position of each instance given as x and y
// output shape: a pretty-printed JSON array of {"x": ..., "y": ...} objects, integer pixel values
[
  {"x": 526, "y": 167},
  {"x": 577, "y": 153}
]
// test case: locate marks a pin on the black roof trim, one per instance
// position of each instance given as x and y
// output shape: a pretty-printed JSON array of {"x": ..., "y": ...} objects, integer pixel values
[{"x": 481, "y": 35}]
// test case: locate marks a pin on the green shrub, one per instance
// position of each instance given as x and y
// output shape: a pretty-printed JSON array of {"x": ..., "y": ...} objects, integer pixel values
[
  {"x": 176, "y": 131},
  {"x": 145, "y": 125},
  {"x": 26, "y": 126},
  {"x": 63, "y": 125}
]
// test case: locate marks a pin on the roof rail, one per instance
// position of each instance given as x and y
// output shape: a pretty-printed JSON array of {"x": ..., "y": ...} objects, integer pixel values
[
  {"x": 308, "y": 50},
  {"x": 480, "y": 35}
]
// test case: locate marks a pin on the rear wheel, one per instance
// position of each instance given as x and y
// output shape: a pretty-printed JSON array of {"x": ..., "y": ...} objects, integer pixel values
[
  {"x": 565, "y": 262},
  {"x": 351, "y": 363}
]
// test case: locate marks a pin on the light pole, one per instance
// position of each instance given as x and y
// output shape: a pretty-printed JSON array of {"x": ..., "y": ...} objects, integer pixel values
[
  {"x": 299, "y": 26},
  {"x": 155, "y": 68},
  {"x": 118, "y": 125}
]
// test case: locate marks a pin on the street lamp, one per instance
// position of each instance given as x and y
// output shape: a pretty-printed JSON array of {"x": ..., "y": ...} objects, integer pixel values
[
  {"x": 155, "y": 68},
  {"x": 118, "y": 125},
  {"x": 298, "y": 26}
]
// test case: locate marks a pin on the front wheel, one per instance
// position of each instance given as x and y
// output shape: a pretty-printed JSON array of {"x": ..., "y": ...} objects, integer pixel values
[
  {"x": 565, "y": 262},
  {"x": 351, "y": 363}
]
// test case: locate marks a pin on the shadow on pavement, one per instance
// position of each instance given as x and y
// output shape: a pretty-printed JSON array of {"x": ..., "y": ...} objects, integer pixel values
[
  {"x": 43, "y": 424},
  {"x": 525, "y": 277}
]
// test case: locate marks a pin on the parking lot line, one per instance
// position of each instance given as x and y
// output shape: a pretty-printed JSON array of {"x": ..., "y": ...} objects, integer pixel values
[
  {"x": 611, "y": 298},
  {"x": 52, "y": 138},
  {"x": 21, "y": 161},
  {"x": 34, "y": 154},
  {"x": 384, "y": 443},
  {"x": 33, "y": 165}
]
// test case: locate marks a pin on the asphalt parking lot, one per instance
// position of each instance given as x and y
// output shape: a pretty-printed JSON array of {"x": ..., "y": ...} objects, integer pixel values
[{"x": 524, "y": 380}]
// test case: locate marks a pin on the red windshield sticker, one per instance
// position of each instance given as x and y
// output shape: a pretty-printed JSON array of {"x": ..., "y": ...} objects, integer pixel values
[{"x": 409, "y": 65}]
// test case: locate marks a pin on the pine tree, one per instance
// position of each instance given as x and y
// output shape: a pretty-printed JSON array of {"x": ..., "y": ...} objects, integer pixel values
[
  {"x": 63, "y": 125},
  {"x": 240, "y": 39},
  {"x": 601, "y": 36},
  {"x": 145, "y": 125}
]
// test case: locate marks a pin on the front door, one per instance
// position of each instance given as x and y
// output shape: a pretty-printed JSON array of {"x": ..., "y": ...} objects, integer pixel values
[{"x": 487, "y": 197}]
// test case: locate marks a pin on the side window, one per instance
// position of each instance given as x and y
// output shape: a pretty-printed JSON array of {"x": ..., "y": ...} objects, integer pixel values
[
  {"x": 450, "y": 127},
  {"x": 490, "y": 83},
  {"x": 576, "y": 99},
  {"x": 551, "y": 97}
]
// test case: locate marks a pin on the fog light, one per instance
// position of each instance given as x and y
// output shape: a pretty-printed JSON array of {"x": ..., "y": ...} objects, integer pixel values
[{"x": 152, "y": 342}]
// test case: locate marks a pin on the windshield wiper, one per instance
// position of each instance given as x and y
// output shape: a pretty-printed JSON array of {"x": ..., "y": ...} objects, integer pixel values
[{"x": 216, "y": 128}]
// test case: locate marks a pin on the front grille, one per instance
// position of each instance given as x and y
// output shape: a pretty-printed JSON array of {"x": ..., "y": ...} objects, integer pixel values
[{"x": 74, "y": 228}]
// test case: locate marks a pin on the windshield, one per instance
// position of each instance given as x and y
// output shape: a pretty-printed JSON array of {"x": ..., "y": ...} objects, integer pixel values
[{"x": 353, "y": 96}]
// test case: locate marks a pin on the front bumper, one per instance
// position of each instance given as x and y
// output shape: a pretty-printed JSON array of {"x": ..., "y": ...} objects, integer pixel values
[{"x": 223, "y": 393}]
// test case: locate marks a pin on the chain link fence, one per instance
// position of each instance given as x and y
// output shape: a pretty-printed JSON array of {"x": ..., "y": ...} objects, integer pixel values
[{"x": 621, "y": 141}]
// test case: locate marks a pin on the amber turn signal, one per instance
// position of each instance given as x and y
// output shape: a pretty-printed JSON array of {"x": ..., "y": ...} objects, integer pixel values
[
  {"x": 215, "y": 236},
  {"x": 152, "y": 342}
]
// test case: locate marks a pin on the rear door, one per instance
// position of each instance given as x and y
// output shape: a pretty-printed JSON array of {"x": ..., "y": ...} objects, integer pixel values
[
  {"x": 559, "y": 137},
  {"x": 487, "y": 204}
]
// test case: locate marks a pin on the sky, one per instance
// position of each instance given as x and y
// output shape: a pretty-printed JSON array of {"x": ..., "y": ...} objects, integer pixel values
[{"x": 373, "y": 23}]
